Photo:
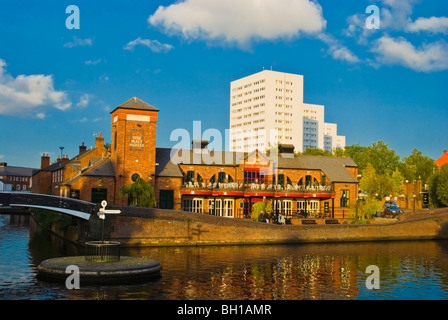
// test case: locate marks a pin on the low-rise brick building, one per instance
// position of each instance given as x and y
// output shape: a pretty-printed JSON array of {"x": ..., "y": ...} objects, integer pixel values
[
  {"x": 200, "y": 180},
  {"x": 18, "y": 177}
]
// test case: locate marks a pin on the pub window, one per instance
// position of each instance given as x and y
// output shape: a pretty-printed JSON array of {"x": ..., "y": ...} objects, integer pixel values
[
  {"x": 322, "y": 181},
  {"x": 213, "y": 179},
  {"x": 255, "y": 176},
  {"x": 345, "y": 198},
  {"x": 221, "y": 177},
  {"x": 301, "y": 182},
  {"x": 199, "y": 178},
  {"x": 281, "y": 179},
  {"x": 288, "y": 181},
  {"x": 192, "y": 205},
  {"x": 308, "y": 180},
  {"x": 190, "y": 176}
]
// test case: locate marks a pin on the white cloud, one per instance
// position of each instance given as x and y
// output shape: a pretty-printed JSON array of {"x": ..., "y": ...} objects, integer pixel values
[
  {"x": 432, "y": 25},
  {"x": 40, "y": 115},
  {"x": 77, "y": 42},
  {"x": 2, "y": 156},
  {"x": 337, "y": 50},
  {"x": 240, "y": 22},
  {"x": 84, "y": 101},
  {"x": 21, "y": 94},
  {"x": 154, "y": 45},
  {"x": 427, "y": 58},
  {"x": 92, "y": 62},
  {"x": 394, "y": 15}
]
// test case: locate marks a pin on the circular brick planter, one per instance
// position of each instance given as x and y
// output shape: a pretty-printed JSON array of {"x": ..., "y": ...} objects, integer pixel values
[{"x": 126, "y": 270}]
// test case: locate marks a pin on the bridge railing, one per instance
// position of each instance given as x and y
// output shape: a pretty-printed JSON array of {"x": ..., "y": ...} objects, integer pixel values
[{"x": 10, "y": 198}]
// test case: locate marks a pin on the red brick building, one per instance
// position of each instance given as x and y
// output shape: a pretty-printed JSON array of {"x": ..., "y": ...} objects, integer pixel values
[
  {"x": 442, "y": 160},
  {"x": 201, "y": 180}
]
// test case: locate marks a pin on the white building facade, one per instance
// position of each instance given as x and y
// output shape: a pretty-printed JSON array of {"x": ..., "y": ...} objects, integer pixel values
[{"x": 267, "y": 109}]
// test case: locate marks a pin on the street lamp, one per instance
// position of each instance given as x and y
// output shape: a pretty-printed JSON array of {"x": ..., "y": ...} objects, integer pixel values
[{"x": 414, "y": 200}]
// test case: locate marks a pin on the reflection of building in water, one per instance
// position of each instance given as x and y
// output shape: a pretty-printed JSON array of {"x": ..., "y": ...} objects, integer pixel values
[{"x": 287, "y": 278}]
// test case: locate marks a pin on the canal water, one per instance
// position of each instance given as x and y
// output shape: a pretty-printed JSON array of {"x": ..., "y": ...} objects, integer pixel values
[{"x": 416, "y": 270}]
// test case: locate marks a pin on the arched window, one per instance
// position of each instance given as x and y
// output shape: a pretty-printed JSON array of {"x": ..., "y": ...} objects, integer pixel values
[
  {"x": 190, "y": 176},
  {"x": 281, "y": 179},
  {"x": 308, "y": 181}
]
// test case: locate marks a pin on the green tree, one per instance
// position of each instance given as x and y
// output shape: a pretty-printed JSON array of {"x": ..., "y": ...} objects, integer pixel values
[
  {"x": 442, "y": 185},
  {"x": 383, "y": 159},
  {"x": 378, "y": 185},
  {"x": 379, "y": 155},
  {"x": 358, "y": 154},
  {"x": 140, "y": 193},
  {"x": 433, "y": 182},
  {"x": 317, "y": 152},
  {"x": 339, "y": 152},
  {"x": 258, "y": 208},
  {"x": 417, "y": 166},
  {"x": 397, "y": 179},
  {"x": 366, "y": 209}
]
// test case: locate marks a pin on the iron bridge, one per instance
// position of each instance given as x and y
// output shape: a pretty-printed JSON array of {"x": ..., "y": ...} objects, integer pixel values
[{"x": 73, "y": 207}]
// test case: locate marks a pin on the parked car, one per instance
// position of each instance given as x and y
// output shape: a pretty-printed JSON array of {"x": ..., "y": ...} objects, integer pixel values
[{"x": 391, "y": 209}]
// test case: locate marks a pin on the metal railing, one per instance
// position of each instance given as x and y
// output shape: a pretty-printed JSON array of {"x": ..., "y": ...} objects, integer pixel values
[
  {"x": 255, "y": 186},
  {"x": 102, "y": 251}
]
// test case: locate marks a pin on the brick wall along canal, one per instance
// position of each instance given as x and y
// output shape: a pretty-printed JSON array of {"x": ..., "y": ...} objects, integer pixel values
[{"x": 408, "y": 270}]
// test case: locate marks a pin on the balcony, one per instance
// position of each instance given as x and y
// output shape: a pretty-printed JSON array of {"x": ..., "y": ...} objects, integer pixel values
[{"x": 245, "y": 187}]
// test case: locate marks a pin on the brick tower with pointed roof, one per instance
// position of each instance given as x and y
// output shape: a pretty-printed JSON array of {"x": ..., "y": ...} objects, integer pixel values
[{"x": 133, "y": 148}]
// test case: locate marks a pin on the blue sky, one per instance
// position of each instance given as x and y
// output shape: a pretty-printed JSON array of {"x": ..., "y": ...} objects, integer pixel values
[{"x": 58, "y": 85}]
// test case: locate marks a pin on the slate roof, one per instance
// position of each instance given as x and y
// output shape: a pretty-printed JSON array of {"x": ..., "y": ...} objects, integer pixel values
[
  {"x": 16, "y": 171},
  {"x": 333, "y": 167},
  {"x": 136, "y": 104},
  {"x": 102, "y": 168}
]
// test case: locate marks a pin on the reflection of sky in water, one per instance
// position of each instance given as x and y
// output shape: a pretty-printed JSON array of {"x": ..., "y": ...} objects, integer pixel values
[
  {"x": 15, "y": 268},
  {"x": 407, "y": 282}
]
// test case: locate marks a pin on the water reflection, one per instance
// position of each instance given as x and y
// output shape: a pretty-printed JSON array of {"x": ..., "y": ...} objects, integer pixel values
[{"x": 409, "y": 270}]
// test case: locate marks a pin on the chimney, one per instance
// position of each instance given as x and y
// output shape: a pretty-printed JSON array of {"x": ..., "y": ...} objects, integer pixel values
[
  {"x": 59, "y": 159},
  {"x": 99, "y": 142},
  {"x": 199, "y": 146},
  {"x": 3, "y": 164},
  {"x": 444, "y": 151},
  {"x": 82, "y": 148},
  {"x": 65, "y": 159},
  {"x": 286, "y": 150},
  {"x": 44, "y": 161}
]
